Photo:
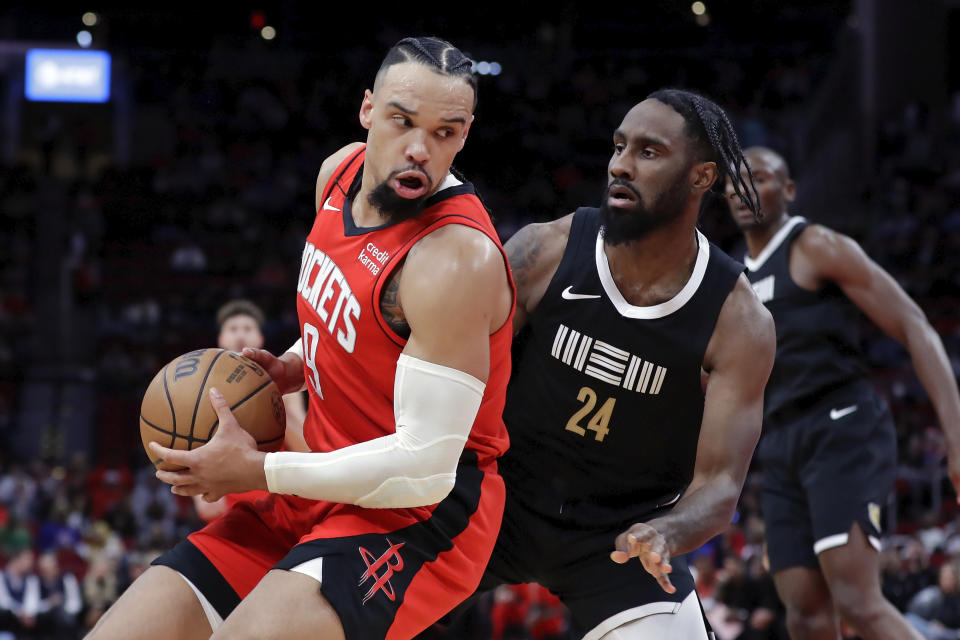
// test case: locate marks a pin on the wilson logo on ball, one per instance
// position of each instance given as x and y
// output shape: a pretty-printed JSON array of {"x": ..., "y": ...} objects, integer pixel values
[{"x": 187, "y": 364}]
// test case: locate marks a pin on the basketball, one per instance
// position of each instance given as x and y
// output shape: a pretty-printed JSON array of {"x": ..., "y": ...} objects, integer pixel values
[{"x": 176, "y": 410}]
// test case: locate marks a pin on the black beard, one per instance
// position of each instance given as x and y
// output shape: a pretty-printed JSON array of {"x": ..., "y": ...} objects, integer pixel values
[
  {"x": 383, "y": 198},
  {"x": 624, "y": 226}
]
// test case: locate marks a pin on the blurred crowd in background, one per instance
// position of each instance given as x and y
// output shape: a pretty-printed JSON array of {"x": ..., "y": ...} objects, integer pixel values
[{"x": 116, "y": 253}]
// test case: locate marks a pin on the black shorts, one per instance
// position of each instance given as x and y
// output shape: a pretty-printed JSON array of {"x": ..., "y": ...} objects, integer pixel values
[
  {"x": 574, "y": 564},
  {"x": 824, "y": 468}
]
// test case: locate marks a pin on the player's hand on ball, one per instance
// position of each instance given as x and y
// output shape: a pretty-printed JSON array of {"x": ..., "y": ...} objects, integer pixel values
[
  {"x": 645, "y": 543},
  {"x": 228, "y": 463},
  {"x": 286, "y": 371}
]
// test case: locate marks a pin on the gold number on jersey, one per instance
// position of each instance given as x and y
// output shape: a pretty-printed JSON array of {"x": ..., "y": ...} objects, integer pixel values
[{"x": 600, "y": 421}]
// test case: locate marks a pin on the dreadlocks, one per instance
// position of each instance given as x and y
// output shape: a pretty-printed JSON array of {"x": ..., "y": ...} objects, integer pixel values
[
  {"x": 440, "y": 55},
  {"x": 708, "y": 126}
]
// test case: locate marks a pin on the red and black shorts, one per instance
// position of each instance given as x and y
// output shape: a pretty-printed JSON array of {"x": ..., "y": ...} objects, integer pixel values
[{"x": 388, "y": 573}]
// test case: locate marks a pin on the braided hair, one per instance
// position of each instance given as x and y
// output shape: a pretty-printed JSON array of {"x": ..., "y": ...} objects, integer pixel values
[
  {"x": 439, "y": 55},
  {"x": 711, "y": 132}
]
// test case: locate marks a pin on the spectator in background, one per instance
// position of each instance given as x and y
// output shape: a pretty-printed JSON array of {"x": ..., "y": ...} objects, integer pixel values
[
  {"x": 100, "y": 587},
  {"x": 905, "y": 571},
  {"x": 60, "y": 600},
  {"x": 19, "y": 594},
  {"x": 241, "y": 325},
  {"x": 935, "y": 611}
]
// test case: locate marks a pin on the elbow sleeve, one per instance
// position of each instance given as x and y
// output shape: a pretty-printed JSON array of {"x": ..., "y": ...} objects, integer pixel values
[{"x": 434, "y": 408}]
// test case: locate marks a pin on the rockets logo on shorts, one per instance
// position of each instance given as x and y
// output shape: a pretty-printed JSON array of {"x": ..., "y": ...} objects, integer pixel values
[{"x": 390, "y": 562}]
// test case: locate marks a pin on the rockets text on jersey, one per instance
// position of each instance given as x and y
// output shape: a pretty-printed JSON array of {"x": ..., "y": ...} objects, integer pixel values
[{"x": 325, "y": 288}]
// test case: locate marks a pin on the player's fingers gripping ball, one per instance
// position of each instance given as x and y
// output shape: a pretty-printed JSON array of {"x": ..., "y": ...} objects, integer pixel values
[{"x": 176, "y": 410}]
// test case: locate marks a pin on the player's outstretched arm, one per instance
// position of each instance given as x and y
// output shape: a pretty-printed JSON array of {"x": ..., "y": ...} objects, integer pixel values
[
  {"x": 534, "y": 253},
  {"x": 738, "y": 359},
  {"x": 828, "y": 256}
]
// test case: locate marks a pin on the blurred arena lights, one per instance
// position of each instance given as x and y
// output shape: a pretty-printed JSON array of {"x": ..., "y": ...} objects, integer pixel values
[
  {"x": 90, "y": 18},
  {"x": 485, "y": 68},
  {"x": 84, "y": 38},
  {"x": 698, "y": 8},
  {"x": 268, "y": 33}
]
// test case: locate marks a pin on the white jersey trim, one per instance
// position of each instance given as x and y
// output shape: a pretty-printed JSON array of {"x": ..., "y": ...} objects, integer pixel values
[
  {"x": 773, "y": 245},
  {"x": 628, "y": 615},
  {"x": 838, "y": 540},
  {"x": 213, "y": 617},
  {"x": 448, "y": 182},
  {"x": 663, "y": 309}
]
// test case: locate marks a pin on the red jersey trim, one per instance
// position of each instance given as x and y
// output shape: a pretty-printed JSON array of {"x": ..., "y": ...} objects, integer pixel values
[{"x": 343, "y": 168}]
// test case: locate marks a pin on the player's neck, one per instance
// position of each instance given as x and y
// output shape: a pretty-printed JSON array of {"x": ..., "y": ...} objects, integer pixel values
[
  {"x": 757, "y": 239},
  {"x": 653, "y": 269},
  {"x": 365, "y": 214}
]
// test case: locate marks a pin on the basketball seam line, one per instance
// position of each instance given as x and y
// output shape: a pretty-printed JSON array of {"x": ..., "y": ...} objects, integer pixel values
[
  {"x": 173, "y": 414},
  {"x": 240, "y": 402},
  {"x": 203, "y": 385}
]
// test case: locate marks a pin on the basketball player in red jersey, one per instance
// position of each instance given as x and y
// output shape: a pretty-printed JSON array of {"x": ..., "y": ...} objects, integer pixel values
[
  {"x": 405, "y": 305},
  {"x": 241, "y": 325}
]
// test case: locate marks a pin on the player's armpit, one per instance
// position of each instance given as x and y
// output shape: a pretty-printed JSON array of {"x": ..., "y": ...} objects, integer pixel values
[
  {"x": 455, "y": 292},
  {"x": 738, "y": 359}
]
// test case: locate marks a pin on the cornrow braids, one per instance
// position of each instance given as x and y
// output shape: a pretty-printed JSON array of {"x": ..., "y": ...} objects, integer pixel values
[
  {"x": 439, "y": 55},
  {"x": 711, "y": 131}
]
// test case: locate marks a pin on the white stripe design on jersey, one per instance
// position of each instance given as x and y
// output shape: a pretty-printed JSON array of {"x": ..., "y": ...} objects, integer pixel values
[{"x": 605, "y": 362}]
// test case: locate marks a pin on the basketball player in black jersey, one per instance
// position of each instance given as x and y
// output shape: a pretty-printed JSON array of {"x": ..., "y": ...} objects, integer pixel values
[
  {"x": 618, "y": 451},
  {"x": 828, "y": 449}
]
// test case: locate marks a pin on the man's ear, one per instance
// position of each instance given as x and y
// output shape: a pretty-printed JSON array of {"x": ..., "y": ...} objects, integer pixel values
[
  {"x": 466, "y": 130},
  {"x": 366, "y": 108},
  {"x": 790, "y": 191},
  {"x": 704, "y": 175}
]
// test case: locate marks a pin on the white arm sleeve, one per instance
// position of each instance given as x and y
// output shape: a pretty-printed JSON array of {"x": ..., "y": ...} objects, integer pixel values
[
  {"x": 434, "y": 407},
  {"x": 297, "y": 348}
]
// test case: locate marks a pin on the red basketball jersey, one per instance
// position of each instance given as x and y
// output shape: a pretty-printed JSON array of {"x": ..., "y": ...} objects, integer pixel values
[{"x": 350, "y": 352}]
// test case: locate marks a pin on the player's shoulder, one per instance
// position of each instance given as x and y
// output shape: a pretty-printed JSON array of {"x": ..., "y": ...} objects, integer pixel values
[
  {"x": 539, "y": 245},
  {"x": 822, "y": 245},
  {"x": 744, "y": 319},
  {"x": 330, "y": 164},
  {"x": 454, "y": 246}
]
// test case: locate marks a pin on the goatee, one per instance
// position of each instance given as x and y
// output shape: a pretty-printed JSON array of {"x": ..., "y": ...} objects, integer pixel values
[{"x": 397, "y": 208}]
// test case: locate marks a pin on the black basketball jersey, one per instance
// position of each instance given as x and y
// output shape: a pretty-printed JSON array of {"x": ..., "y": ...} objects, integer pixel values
[
  {"x": 605, "y": 403},
  {"x": 818, "y": 332}
]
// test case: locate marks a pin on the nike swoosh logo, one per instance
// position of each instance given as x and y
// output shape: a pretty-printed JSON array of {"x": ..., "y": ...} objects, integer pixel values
[
  {"x": 568, "y": 295},
  {"x": 669, "y": 502},
  {"x": 329, "y": 207},
  {"x": 836, "y": 414}
]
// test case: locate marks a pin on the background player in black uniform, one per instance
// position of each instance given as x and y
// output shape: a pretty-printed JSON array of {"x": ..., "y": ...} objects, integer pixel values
[
  {"x": 617, "y": 448},
  {"x": 829, "y": 449}
]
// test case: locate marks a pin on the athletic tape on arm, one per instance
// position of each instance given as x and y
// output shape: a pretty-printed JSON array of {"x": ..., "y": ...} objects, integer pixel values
[{"x": 434, "y": 407}]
